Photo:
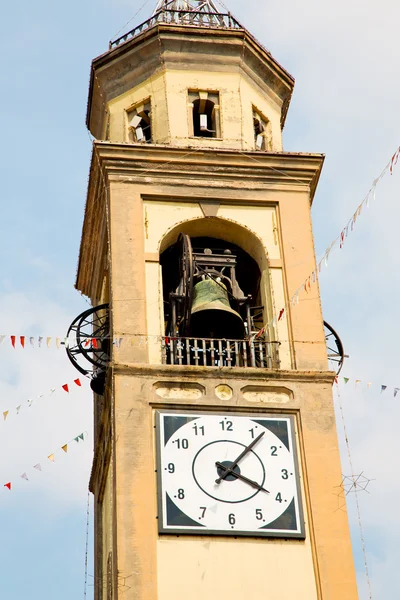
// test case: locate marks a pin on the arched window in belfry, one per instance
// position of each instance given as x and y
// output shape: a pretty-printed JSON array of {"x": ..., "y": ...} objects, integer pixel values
[{"x": 213, "y": 307}]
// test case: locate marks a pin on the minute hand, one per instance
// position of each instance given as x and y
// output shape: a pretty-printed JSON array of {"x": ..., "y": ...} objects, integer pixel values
[
  {"x": 229, "y": 470},
  {"x": 243, "y": 478}
]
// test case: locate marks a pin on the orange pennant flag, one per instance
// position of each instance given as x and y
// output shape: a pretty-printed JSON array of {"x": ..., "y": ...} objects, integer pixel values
[
  {"x": 65, "y": 387},
  {"x": 78, "y": 382},
  {"x": 65, "y": 447},
  {"x": 8, "y": 485},
  {"x": 5, "y": 413},
  {"x": 12, "y": 340},
  {"x": 51, "y": 457},
  {"x": 22, "y": 340}
]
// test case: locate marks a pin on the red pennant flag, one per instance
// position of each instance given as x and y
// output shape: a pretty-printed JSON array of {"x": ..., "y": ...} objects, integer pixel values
[
  {"x": 22, "y": 340},
  {"x": 281, "y": 314},
  {"x": 78, "y": 382},
  {"x": 65, "y": 387},
  {"x": 94, "y": 343},
  {"x": 8, "y": 485},
  {"x": 12, "y": 340}
]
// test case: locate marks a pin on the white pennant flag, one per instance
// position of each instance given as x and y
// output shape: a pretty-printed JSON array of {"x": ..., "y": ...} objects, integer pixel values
[
  {"x": 2, "y": 337},
  {"x": 32, "y": 341}
]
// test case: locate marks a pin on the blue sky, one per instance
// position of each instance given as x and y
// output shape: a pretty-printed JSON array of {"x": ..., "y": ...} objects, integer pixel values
[{"x": 345, "y": 59}]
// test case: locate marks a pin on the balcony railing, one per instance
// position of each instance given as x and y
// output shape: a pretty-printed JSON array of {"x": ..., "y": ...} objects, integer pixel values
[
  {"x": 203, "y": 352},
  {"x": 181, "y": 17}
]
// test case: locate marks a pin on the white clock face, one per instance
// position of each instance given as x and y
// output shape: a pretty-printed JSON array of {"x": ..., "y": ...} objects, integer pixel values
[{"x": 228, "y": 474}]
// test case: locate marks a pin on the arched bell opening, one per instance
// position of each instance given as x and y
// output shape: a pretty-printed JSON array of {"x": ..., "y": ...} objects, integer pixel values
[{"x": 213, "y": 301}]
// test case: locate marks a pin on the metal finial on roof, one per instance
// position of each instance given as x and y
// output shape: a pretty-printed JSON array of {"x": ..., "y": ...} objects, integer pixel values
[{"x": 206, "y": 6}]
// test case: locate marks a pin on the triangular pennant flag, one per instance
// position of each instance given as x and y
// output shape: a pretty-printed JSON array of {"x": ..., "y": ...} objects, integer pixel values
[
  {"x": 395, "y": 391},
  {"x": 18, "y": 409},
  {"x": 94, "y": 343},
  {"x": 281, "y": 313},
  {"x": 2, "y": 338},
  {"x": 336, "y": 380},
  {"x": 22, "y": 340},
  {"x": 51, "y": 457},
  {"x": 66, "y": 342},
  {"x": 81, "y": 436},
  {"x": 345, "y": 379},
  {"x": 38, "y": 467},
  {"x": 58, "y": 342},
  {"x": 29, "y": 402},
  {"x": 5, "y": 413},
  {"x": 32, "y": 341},
  {"x": 24, "y": 476},
  {"x": 78, "y": 382},
  {"x": 369, "y": 384},
  {"x": 8, "y": 485},
  {"x": 40, "y": 341},
  {"x": 12, "y": 340},
  {"x": 115, "y": 342},
  {"x": 383, "y": 388},
  {"x": 65, "y": 387},
  {"x": 48, "y": 342},
  {"x": 77, "y": 439},
  {"x": 52, "y": 390},
  {"x": 65, "y": 447},
  {"x": 358, "y": 381}
]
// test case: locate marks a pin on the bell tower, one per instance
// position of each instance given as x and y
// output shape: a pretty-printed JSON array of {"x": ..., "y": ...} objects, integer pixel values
[{"x": 216, "y": 453}]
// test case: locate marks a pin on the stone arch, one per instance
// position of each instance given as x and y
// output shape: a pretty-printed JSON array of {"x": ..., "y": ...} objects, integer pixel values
[
  {"x": 223, "y": 229},
  {"x": 229, "y": 231}
]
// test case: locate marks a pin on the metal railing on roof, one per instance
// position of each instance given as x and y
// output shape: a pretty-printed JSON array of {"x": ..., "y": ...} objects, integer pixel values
[{"x": 181, "y": 17}]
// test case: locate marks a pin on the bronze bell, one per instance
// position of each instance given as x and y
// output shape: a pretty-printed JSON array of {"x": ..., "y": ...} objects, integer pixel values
[{"x": 212, "y": 315}]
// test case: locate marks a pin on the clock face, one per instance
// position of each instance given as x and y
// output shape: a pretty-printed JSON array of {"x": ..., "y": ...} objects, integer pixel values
[{"x": 224, "y": 474}]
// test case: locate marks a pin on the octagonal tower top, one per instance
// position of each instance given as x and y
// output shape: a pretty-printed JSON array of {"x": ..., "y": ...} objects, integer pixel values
[{"x": 189, "y": 76}]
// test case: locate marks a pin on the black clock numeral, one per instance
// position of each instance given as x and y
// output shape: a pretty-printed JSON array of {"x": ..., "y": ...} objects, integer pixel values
[
  {"x": 203, "y": 509},
  {"x": 171, "y": 468},
  {"x": 181, "y": 494},
  {"x": 198, "y": 429},
  {"x": 226, "y": 425},
  {"x": 274, "y": 451},
  {"x": 184, "y": 443},
  {"x": 232, "y": 519},
  {"x": 252, "y": 433},
  {"x": 259, "y": 515},
  {"x": 278, "y": 497},
  {"x": 285, "y": 474}
]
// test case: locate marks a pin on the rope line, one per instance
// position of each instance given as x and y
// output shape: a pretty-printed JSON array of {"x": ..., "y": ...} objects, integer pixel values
[{"x": 353, "y": 478}]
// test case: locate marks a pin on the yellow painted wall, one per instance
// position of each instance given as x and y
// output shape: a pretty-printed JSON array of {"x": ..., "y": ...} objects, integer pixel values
[{"x": 170, "y": 111}]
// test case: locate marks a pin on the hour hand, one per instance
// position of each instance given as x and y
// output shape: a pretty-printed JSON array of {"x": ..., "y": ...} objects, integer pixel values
[{"x": 254, "y": 484}]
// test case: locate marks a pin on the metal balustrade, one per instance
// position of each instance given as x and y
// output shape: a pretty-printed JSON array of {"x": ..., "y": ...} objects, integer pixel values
[
  {"x": 205, "y": 352},
  {"x": 180, "y": 17}
]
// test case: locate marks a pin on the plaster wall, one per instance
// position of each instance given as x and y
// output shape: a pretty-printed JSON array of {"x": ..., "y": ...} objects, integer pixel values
[
  {"x": 170, "y": 567},
  {"x": 170, "y": 110}
]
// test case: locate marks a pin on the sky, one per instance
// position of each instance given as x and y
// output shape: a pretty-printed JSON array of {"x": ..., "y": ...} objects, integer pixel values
[{"x": 345, "y": 57}]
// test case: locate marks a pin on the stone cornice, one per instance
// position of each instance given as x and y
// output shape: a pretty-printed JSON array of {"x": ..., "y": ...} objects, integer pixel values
[
  {"x": 189, "y": 373},
  {"x": 138, "y": 163}
]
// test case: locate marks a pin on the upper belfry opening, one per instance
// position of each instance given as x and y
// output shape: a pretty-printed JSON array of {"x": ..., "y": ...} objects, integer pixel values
[{"x": 196, "y": 13}]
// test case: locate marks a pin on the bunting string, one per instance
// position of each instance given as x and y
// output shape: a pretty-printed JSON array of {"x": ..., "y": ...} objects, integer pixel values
[
  {"x": 339, "y": 240},
  {"x": 28, "y": 403},
  {"x": 369, "y": 385},
  {"x": 26, "y": 475}
]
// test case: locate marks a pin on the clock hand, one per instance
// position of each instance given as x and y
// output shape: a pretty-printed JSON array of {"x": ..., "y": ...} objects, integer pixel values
[
  {"x": 243, "y": 478},
  {"x": 229, "y": 470}
]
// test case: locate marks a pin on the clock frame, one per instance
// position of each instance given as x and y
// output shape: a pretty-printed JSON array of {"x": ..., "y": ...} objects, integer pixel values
[{"x": 260, "y": 496}]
